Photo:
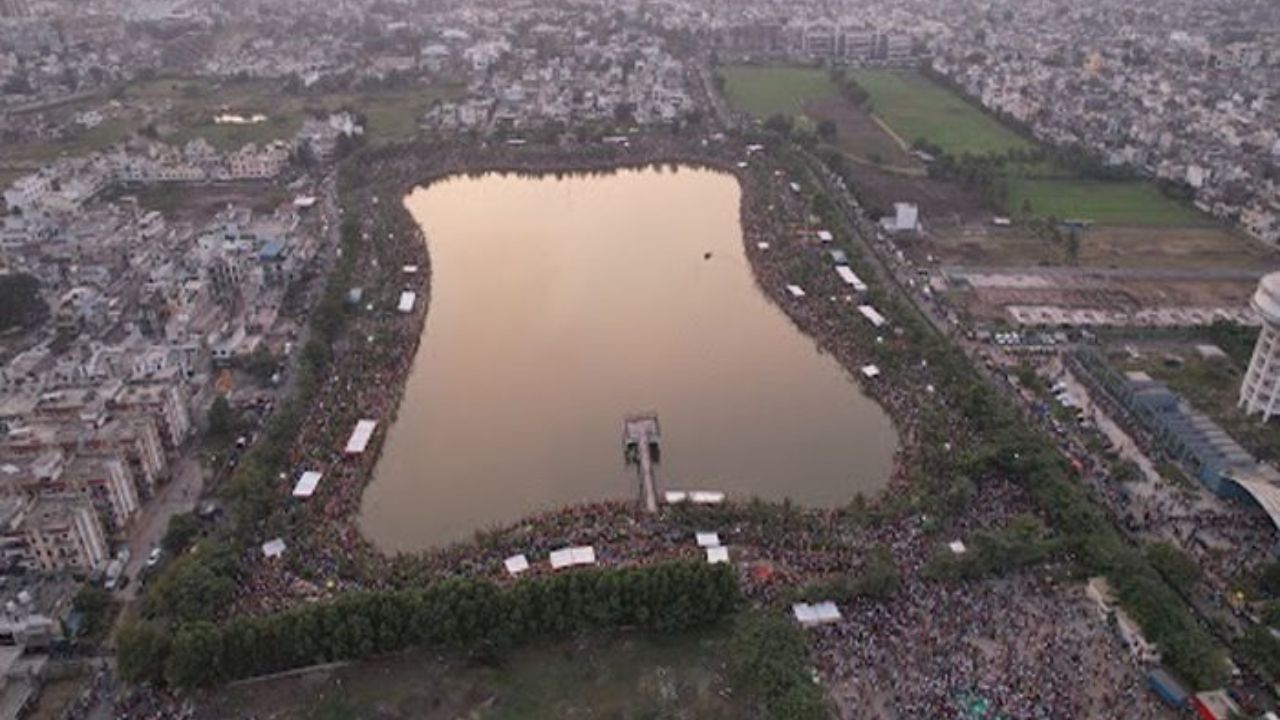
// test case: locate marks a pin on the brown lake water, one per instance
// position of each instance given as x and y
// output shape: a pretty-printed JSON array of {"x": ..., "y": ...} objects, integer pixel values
[{"x": 559, "y": 306}]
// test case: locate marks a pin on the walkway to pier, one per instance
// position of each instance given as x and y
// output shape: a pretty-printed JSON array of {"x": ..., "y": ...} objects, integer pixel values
[{"x": 640, "y": 438}]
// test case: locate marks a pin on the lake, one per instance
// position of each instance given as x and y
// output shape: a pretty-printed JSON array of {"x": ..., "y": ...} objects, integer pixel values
[{"x": 559, "y": 306}]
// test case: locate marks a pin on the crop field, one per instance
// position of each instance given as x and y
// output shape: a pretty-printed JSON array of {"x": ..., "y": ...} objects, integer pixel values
[
  {"x": 916, "y": 107},
  {"x": 1112, "y": 203},
  {"x": 623, "y": 677}
]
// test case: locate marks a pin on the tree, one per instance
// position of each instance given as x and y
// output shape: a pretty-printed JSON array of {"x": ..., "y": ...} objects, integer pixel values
[
  {"x": 20, "y": 301},
  {"x": 770, "y": 660},
  {"x": 95, "y": 607},
  {"x": 221, "y": 422},
  {"x": 827, "y": 131},
  {"x": 779, "y": 124},
  {"x": 1177, "y": 568},
  {"x": 261, "y": 365},
  {"x": 141, "y": 651},
  {"x": 182, "y": 529}
]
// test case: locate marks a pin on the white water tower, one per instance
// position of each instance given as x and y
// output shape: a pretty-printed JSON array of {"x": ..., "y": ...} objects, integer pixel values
[{"x": 1260, "y": 391}]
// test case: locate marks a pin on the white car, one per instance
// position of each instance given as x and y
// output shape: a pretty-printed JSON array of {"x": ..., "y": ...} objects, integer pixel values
[{"x": 154, "y": 557}]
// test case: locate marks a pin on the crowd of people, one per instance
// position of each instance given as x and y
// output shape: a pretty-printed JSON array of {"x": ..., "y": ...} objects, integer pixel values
[{"x": 1019, "y": 648}]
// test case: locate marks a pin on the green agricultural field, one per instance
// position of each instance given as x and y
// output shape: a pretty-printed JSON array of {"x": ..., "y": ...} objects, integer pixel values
[
  {"x": 1114, "y": 203},
  {"x": 916, "y": 107},
  {"x": 764, "y": 90}
]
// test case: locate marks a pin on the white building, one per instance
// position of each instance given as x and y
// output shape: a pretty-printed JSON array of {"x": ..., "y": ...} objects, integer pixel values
[
  {"x": 906, "y": 218},
  {"x": 1260, "y": 391}
]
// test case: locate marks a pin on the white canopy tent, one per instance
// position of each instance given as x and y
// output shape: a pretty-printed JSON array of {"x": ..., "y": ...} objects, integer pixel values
[
  {"x": 796, "y": 291},
  {"x": 407, "y": 300},
  {"x": 570, "y": 556},
  {"x": 872, "y": 315},
  {"x": 851, "y": 278},
  {"x": 816, "y": 614},
  {"x": 306, "y": 486},
  {"x": 273, "y": 548},
  {"x": 706, "y": 497},
  {"x": 717, "y": 555},
  {"x": 707, "y": 539},
  {"x": 516, "y": 564},
  {"x": 360, "y": 437}
]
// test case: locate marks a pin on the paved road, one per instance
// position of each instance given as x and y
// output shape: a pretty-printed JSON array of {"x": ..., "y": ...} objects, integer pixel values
[{"x": 179, "y": 496}]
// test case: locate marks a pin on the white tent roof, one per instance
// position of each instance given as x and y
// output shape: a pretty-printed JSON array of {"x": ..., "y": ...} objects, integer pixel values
[
  {"x": 706, "y": 497},
  {"x": 851, "y": 278},
  {"x": 796, "y": 291},
  {"x": 804, "y": 613},
  {"x": 871, "y": 371},
  {"x": 675, "y": 496},
  {"x": 718, "y": 554},
  {"x": 872, "y": 315},
  {"x": 707, "y": 539},
  {"x": 826, "y": 612},
  {"x": 273, "y": 548},
  {"x": 407, "y": 299},
  {"x": 816, "y": 614},
  {"x": 957, "y": 547},
  {"x": 410, "y": 269},
  {"x": 516, "y": 564},
  {"x": 762, "y": 245},
  {"x": 360, "y": 437},
  {"x": 825, "y": 236},
  {"x": 306, "y": 486},
  {"x": 570, "y": 556}
]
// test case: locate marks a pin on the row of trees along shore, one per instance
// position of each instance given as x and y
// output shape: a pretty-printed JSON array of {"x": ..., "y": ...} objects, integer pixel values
[{"x": 477, "y": 616}]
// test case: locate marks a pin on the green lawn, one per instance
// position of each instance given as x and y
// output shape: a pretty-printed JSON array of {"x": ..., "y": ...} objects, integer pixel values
[
  {"x": 916, "y": 107},
  {"x": 618, "y": 676},
  {"x": 768, "y": 90},
  {"x": 1113, "y": 203}
]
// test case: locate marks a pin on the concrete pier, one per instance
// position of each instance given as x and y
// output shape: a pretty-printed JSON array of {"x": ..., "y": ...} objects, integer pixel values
[{"x": 641, "y": 436}]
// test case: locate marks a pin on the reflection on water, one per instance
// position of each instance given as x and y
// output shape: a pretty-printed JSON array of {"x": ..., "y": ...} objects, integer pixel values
[{"x": 558, "y": 307}]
